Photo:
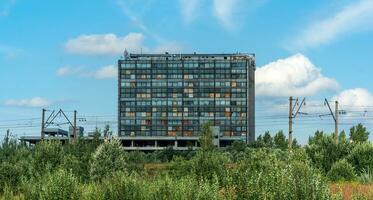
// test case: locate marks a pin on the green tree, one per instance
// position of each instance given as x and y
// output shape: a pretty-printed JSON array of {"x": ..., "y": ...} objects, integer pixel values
[
  {"x": 359, "y": 133},
  {"x": 324, "y": 151},
  {"x": 342, "y": 137},
  {"x": 267, "y": 140},
  {"x": 280, "y": 141},
  {"x": 107, "y": 159},
  {"x": 206, "y": 137},
  {"x": 361, "y": 157},
  {"x": 48, "y": 155},
  {"x": 107, "y": 131}
]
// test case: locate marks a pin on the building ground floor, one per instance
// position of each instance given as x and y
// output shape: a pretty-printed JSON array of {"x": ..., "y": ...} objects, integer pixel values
[{"x": 149, "y": 143}]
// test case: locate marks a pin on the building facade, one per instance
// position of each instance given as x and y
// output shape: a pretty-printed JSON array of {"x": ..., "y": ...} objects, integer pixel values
[{"x": 165, "y": 98}]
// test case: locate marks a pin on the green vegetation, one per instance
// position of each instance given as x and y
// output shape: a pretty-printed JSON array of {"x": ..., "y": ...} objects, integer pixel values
[{"x": 265, "y": 169}]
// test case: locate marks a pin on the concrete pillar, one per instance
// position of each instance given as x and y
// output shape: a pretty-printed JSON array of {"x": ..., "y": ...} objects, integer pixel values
[{"x": 132, "y": 143}]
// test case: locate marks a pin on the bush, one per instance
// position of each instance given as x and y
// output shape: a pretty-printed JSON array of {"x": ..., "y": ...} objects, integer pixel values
[
  {"x": 361, "y": 157},
  {"x": 123, "y": 186},
  {"x": 107, "y": 159},
  {"x": 262, "y": 175},
  {"x": 59, "y": 185},
  {"x": 324, "y": 151},
  {"x": 341, "y": 171},
  {"x": 47, "y": 156},
  {"x": 91, "y": 191},
  {"x": 10, "y": 175},
  {"x": 366, "y": 177},
  {"x": 205, "y": 165}
]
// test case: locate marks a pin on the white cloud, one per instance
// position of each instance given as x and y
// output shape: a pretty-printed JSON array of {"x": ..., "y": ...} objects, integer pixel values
[
  {"x": 292, "y": 76},
  {"x": 33, "y": 102},
  {"x": 224, "y": 10},
  {"x": 358, "y": 97},
  {"x": 189, "y": 9},
  {"x": 68, "y": 71},
  {"x": 105, "y": 44},
  {"x": 354, "y": 17},
  {"x": 111, "y": 44},
  {"x": 105, "y": 72}
]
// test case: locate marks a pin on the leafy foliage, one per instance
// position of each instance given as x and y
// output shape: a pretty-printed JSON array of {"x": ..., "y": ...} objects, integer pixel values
[
  {"x": 206, "y": 138},
  {"x": 266, "y": 169},
  {"x": 341, "y": 171},
  {"x": 361, "y": 157},
  {"x": 108, "y": 158},
  {"x": 359, "y": 133}
]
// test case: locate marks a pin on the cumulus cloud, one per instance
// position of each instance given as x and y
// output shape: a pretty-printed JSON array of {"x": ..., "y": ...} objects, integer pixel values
[
  {"x": 33, "y": 102},
  {"x": 358, "y": 97},
  {"x": 111, "y": 44},
  {"x": 292, "y": 76},
  {"x": 105, "y": 44},
  {"x": 354, "y": 17},
  {"x": 105, "y": 72}
]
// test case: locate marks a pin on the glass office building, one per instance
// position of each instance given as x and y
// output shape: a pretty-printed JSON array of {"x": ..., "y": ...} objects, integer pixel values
[{"x": 165, "y": 98}]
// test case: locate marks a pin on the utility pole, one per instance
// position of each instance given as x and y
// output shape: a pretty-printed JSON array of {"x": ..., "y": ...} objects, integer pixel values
[
  {"x": 42, "y": 124},
  {"x": 74, "y": 128},
  {"x": 290, "y": 122},
  {"x": 293, "y": 115},
  {"x": 336, "y": 121},
  {"x": 335, "y": 118}
]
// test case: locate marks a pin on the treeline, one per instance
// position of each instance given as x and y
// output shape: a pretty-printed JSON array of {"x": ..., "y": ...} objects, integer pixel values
[{"x": 266, "y": 169}]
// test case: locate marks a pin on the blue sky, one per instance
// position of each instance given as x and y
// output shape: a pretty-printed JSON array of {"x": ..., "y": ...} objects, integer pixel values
[{"x": 62, "y": 54}]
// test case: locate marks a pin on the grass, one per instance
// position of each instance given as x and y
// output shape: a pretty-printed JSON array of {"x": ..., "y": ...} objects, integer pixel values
[{"x": 351, "y": 190}]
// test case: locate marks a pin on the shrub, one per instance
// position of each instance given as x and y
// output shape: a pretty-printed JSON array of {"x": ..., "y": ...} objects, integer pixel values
[
  {"x": 107, "y": 159},
  {"x": 366, "y": 177},
  {"x": 47, "y": 156},
  {"x": 324, "y": 151},
  {"x": 204, "y": 165},
  {"x": 10, "y": 175},
  {"x": 91, "y": 191},
  {"x": 341, "y": 171},
  {"x": 59, "y": 185},
  {"x": 263, "y": 176},
  {"x": 207, "y": 164},
  {"x": 361, "y": 157},
  {"x": 123, "y": 186}
]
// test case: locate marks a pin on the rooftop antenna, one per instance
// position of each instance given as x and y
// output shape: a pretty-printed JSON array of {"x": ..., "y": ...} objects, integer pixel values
[{"x": 125, "y": 54}]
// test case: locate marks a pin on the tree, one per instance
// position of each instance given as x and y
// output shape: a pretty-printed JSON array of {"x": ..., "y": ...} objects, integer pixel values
[
  {"x": 107, "y": 131},
  {"x": 267, "y": 140},
  {"x": 342, "y": 137},
  {"x": 324, "y": 151},
  {"x": 361, "y": 157},
  {"x": 295, "y": 144},
  {"x": 107, "y": 159},
  {"x": 206, "y": 138},
  {"x": 47, "y": 155},
  {"x": 319, "y": 135},
  {"x": 279, "y": 141},
  {"x": 359, "y": 133}
]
